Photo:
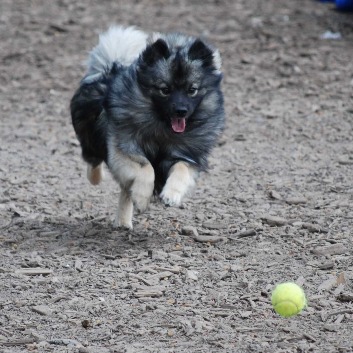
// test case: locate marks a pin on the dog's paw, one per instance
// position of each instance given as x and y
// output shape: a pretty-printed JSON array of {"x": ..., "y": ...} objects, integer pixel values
[
  {"x": 95, "y": 175},
  {"x": 140, "y": 200},
  {"x": 122, "y": 224},
  {"x": 171, "y": 197}
]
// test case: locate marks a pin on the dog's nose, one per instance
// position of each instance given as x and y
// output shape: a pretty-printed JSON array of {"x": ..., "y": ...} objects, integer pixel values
[{"x": 181, "y": 112}]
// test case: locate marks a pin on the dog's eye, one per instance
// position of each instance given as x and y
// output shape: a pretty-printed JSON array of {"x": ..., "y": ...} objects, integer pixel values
[
  {"x": 193, "y": 91},
  {"x": 164, "y": 91}
]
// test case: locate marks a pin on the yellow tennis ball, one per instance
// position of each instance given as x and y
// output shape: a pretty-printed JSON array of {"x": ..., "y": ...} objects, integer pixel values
[{"x": 288, "y": 299}]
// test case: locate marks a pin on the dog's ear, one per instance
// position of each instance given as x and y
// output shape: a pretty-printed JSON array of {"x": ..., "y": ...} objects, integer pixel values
[
  {"x": 154, "y": 52},
  {"x": 200, "y": 51}
]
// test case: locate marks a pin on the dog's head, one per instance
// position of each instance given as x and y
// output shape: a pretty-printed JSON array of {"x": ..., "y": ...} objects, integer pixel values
[{"x": 176, "y": 72}]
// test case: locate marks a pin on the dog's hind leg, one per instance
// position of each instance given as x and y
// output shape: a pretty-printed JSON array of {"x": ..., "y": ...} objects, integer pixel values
[
  {"x": 95, "y": 174},
  {"x": 180, "y": 180},
  {"x": 125, "y": 210}
]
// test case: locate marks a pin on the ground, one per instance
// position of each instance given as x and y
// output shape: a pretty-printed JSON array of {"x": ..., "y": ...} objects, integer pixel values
[{"x": 275, "y": 206}]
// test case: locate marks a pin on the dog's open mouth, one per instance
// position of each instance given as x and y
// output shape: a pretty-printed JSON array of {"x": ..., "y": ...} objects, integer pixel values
[{"x": 178, "y": 124}]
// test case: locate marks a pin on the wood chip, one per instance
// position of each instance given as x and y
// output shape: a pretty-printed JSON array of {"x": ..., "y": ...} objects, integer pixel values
[
  {"x": 161, "y": 275},
  {"x": 327, "y": 314},
  {"x": 147, "y": 282},
  {"x": 309, "y": 337},
  {"x": 314, "y": 228},
  {"x": 18, "y": 342},
  {"x": 245, "y": 314},
  {"x": 35, "y": 271},
  {"x": 274, "y": 220},
  {"x": 339, "y": 319},
  {"x": 247, "y": 329},
  {"x": 339, "y": 289},
  {"x": 192, "y": 275},
  {"x": 65, "y": 342},
  {"x": 148, "y": 293},
  {"x": 42, "y": 310},
  {"x": 345, "y": 297},
  {"x": 275, "y": 195},
  {"x": 328, "y": 284},
  {"x": 341, "y": 279},
  {"x": 214, "y": 225},
  {"x": 209, "y": 239},
  {"x": 243, "y": 234},
  {"x": 190, "y": 231},
  {"x": 335, "y": 249},
  {"x": 222, "y": 313},
  {"x": 174, "y": 269},
  {"x": 296, "y": 200},
  {"x": 78, "y": 265},
  {"x": 327, "y": 265},
  {"x": 331, "y": 327}
]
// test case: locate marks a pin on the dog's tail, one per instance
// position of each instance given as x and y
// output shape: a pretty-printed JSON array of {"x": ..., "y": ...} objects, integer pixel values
[{"x": 117, "y": 46}]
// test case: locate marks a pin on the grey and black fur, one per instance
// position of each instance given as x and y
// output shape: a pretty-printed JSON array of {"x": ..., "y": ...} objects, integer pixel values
[{"x": 151, "y": 108}]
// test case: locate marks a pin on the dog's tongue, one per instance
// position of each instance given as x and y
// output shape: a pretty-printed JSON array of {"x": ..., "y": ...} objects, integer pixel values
[{"x": 178, "y": 124}]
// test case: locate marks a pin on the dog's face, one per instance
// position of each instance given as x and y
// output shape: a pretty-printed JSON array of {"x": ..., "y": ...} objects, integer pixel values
[{"x": 176, "y": 74}]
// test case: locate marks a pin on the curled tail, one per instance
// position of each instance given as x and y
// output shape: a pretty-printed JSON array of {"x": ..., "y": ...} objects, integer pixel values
[{"x": 120, "y": 46}]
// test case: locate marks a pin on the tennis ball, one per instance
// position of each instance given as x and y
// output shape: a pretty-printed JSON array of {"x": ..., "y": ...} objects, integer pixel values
[{"x": 288, "y": 299}]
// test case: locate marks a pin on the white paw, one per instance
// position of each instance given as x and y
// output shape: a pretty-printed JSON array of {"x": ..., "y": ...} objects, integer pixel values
[
  {"x": 171, "y": 197},
  {"x": 122, "y": 223},
  {"x": 141, "y": 194}
]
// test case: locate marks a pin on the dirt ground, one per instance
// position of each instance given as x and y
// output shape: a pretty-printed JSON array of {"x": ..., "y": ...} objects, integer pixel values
[{"x": 276, "y": 205}]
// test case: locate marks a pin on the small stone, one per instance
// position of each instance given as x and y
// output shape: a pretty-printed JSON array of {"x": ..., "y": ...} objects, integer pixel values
[
  {"x": 192, "y": 275},
  {"x": 86, "y": 323}
]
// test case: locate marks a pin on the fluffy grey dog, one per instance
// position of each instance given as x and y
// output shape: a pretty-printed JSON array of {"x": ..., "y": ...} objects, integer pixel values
[{"x": 151, "y": 108}]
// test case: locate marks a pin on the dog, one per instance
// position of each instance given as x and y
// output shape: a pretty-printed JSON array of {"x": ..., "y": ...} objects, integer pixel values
[{"x": 150, "y": 107}]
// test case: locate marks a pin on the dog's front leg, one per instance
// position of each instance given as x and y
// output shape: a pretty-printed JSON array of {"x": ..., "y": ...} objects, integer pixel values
[
  {"x": 125, "y": 210},
  {"x": 135, "y": 176},
  {"x": 181, "y": 179}
]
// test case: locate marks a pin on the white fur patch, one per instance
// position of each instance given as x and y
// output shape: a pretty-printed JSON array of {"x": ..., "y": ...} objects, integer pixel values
[
  {"x": 180, "y": 180},
  {"x": 217, "y": 61},
  {"x": 118, "y": 44}
]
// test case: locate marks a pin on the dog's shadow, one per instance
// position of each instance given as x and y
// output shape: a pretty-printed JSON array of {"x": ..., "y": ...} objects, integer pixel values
[{"x": 83, "y": 236}]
